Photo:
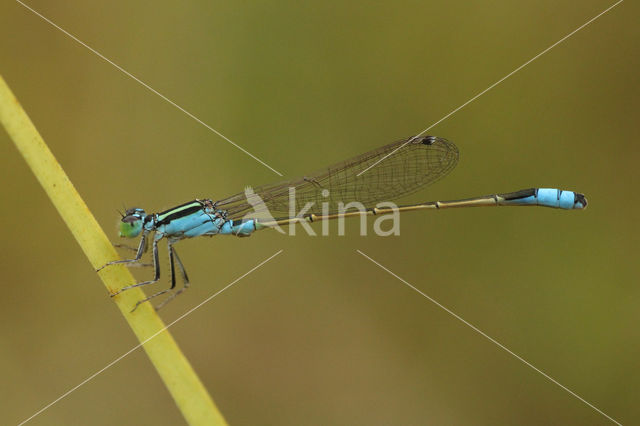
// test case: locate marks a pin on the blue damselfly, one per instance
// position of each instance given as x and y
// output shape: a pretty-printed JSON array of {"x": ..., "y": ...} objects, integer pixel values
[{"x": 399, "y": 169}]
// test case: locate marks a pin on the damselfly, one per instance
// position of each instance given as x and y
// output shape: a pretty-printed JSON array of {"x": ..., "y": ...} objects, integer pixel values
[{"x": 384, "y": 174}]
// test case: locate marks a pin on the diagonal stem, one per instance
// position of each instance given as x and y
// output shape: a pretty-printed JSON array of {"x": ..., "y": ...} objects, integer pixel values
[{"x": 173, "y": 367}]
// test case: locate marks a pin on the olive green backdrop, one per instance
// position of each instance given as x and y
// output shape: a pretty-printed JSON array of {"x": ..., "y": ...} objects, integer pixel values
[{"x": 320, "y": 335}]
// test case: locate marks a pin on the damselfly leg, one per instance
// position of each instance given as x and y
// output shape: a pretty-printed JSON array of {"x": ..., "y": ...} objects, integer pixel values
[
  {"x": 185, "y": 280},
  {"x": 142, "y": 247},
  {"x": 156, "y": 267},
  {"x": 173, "y": 257}
]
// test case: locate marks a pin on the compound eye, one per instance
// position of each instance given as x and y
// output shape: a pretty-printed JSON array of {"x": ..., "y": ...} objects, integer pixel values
[
  {"x": 130, "y": 219},
  {"x": 131, "y": 226}
]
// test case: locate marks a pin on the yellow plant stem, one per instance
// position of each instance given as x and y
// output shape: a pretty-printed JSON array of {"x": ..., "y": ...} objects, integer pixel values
[{"x": 177, "y": 374}]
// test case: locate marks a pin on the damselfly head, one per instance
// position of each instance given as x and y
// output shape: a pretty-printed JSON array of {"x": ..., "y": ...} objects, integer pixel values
[{"x": 131, "y": 223}]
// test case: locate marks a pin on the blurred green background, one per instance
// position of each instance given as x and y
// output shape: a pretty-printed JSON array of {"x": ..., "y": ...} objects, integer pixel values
[{"x": 320, "y": 335}]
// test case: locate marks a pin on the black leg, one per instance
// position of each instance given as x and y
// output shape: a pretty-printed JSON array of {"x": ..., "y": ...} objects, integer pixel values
[
  {"x": 173, "y": 280},
  {"x": 128, "y": 247},
  {"x": 183, "y": 271},
  {"x": 156, "y": 265},
  {"x": 185, "y": 279},
  {"x": 141, "y": 249}
]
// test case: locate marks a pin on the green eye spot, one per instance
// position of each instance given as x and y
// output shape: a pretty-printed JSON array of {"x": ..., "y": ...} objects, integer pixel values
[{"x": 130, "y": 226}]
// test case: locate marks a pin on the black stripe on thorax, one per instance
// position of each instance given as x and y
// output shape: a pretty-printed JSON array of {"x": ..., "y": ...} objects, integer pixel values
[{"x": 179, "y": 212}]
